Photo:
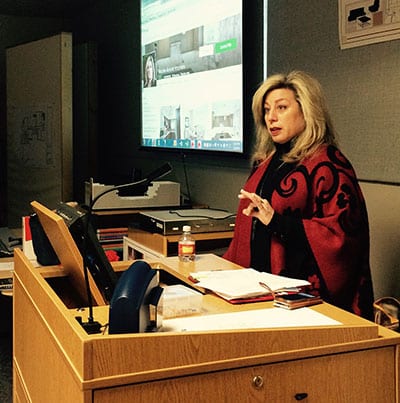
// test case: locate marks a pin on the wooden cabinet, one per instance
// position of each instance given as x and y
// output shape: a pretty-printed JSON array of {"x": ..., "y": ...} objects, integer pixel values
[{"x": 39, "y": 124}]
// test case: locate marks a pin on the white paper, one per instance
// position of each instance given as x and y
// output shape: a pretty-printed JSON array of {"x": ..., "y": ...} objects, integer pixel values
[
  {"x": 253, "y": 319},
  {"x": 233, "y": 284}
]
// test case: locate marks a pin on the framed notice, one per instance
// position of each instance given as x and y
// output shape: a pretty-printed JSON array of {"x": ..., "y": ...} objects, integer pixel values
[{"x": 368, "y": 21}]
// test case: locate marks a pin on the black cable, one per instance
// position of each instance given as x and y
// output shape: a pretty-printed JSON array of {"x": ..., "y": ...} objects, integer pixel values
[
  {"x": 203, "y": 216},
  {"x": 92, "y": 326},
  {"x": 183, "y": 155}
]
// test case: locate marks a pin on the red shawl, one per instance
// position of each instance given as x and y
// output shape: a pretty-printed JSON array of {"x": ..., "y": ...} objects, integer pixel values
[{"x": 325, "y": 191}]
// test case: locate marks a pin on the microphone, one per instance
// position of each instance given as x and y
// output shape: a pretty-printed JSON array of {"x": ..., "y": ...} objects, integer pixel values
[
  {"x": 159, "y": 172},
  {"x": 92, "y": 326},
  {"x": 156, "y": 174}
]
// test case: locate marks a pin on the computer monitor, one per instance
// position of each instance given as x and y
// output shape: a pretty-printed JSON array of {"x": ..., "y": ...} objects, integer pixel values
[
  {"x": 65, "y": 234},
  {"x": 89, "y": 246}
]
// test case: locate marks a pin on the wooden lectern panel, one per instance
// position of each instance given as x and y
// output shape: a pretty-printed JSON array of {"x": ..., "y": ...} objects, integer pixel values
[
  {"x": 266, "y": 364},
  {"x": 67, "y": 251}
]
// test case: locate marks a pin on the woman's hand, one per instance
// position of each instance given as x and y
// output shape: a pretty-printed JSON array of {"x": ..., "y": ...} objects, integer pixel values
[{"x": 258, "y": 207}]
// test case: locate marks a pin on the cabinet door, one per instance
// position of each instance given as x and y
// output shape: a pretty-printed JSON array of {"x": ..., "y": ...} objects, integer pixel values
[
  {"x": 39, "y": 124},
  {"x": 364, "y": 376}
]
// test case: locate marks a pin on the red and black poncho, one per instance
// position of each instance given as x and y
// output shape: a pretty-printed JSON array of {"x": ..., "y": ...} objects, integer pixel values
[{"x": 319, "y": 231}]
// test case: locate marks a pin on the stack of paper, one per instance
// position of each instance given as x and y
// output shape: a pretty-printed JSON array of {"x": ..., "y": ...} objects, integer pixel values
[
  {"x": 246, "y": 283},
  {"x": 253, "y": 319}
]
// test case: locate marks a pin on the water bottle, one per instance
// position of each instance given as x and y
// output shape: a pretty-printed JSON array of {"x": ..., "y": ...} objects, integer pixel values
[{"x": 186, "y": 245}]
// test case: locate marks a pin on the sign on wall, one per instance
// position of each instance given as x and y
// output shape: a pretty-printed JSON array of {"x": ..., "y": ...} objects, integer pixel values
[
  {"x": 31, "y": 136},
  {"x": 368, "y": 21}
]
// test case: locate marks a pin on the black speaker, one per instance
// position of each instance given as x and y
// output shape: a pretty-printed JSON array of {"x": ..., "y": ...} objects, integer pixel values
[{"x": 45, "y": 253}]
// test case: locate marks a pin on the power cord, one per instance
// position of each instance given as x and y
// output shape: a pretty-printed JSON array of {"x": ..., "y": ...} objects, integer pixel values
[
  {"x": 183, "y": 155},
  {"x": 229, "y": 215}
]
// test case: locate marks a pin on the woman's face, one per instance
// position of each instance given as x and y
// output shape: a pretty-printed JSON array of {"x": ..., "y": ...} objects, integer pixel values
[
  {"x": 149, "y": 68},
  {"x": 283, "y": 115}
]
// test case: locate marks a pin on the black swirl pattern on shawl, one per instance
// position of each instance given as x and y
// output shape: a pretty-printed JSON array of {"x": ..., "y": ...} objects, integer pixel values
[{"x": 331, "y": 180}]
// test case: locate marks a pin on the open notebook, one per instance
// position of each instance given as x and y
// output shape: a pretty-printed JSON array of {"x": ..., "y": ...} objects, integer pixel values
[{"x": 244, "y": 284}]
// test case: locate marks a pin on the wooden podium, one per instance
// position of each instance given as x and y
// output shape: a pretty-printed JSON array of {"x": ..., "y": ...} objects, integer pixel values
[{"x": 55, "y": 360}]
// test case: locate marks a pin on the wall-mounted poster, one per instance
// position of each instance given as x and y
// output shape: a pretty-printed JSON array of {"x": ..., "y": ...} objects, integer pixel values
[
  {"x": 31, "y": 138},
  {"x": 368, "y": 21}
]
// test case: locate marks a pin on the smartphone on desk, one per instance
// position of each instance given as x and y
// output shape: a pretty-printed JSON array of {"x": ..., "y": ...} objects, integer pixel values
[{"x": 298, "y": 300}]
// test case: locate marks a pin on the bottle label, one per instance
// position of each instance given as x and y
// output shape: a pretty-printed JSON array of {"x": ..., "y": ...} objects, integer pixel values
[{"x": 186, "y": 248}]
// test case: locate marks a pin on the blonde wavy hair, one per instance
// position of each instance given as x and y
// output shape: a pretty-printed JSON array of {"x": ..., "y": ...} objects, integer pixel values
[{"x": 318, "y": 125}]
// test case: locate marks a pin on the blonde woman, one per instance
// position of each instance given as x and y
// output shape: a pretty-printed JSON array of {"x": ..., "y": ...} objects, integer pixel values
[
  {"x": 150, "y": 72},
  {"x": 301, "y": 213}
]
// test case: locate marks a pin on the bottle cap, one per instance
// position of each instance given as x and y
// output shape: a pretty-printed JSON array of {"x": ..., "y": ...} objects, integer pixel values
[{"x": 186, "y": 228}]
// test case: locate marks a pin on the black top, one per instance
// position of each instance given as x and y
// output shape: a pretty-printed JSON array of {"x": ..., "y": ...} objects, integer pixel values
[{"x": 279, "y": 225}]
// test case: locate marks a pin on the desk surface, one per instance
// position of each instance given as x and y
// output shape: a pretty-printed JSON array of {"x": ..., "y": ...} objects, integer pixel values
[{"x": 212, "y": 304}]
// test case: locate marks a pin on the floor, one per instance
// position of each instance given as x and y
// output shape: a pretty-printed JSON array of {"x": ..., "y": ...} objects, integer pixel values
[{"x": 5, "y": 349}]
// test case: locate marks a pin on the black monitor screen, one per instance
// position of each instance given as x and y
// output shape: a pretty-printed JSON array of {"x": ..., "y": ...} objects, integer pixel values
[{"x": 97, "y": 262}]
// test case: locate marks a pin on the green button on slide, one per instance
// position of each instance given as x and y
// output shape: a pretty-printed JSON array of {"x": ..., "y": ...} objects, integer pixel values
[{"x": 226, "y": 46}]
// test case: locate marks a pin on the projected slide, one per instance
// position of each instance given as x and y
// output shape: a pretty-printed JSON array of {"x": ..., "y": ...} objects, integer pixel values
[{"x": 192, "y": 74}]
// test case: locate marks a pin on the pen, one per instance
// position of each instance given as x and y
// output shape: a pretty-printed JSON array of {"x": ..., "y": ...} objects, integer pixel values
[{"x": 267, "y": 288}]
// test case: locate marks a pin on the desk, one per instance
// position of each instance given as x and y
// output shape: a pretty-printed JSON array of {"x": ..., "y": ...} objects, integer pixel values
[
  {"x": 56, "y": 361},
  {"x": 146, "y": 245}
]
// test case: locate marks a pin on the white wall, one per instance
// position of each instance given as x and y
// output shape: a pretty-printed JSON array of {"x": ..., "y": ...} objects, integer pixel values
[{"x": 383, "y": 203}]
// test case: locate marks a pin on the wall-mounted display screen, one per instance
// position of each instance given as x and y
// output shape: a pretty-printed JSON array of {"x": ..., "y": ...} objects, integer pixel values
[{"x": 192, "y": 74}]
